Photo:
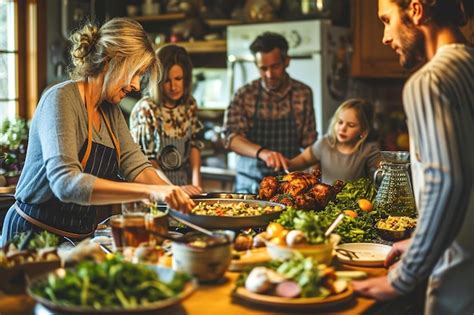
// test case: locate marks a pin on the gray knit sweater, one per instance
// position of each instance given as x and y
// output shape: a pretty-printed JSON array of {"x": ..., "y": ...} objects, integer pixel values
[{"x": 58, "y": 132}]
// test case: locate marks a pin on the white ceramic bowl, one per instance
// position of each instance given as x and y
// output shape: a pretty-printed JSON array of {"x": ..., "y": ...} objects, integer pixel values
[{"x": 323, "y": 253}]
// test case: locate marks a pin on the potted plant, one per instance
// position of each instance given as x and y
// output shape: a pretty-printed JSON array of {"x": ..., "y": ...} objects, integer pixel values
[{"x": 13, "y": 141}]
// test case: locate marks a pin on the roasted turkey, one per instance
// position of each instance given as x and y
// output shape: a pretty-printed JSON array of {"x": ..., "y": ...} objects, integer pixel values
[
  {"x": 295, "y": 183},
  {"x": 299, "y": 189},
  {"x": 268, "y": 187},
  {"x": 285, "y": 199}
]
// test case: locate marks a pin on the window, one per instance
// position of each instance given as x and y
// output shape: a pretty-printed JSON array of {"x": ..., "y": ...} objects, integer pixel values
[{"x": 9, "y": 98}]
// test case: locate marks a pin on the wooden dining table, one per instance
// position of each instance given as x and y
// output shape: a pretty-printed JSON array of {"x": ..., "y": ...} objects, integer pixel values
[{"x": 218, "y": 298}]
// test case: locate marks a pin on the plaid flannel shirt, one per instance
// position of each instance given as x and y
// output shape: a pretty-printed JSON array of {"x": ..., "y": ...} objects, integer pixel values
[{"x": 274, "y": 105}]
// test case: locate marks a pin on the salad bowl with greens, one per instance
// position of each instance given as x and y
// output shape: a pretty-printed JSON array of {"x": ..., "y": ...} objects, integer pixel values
[{"x": 110, "y": 287}]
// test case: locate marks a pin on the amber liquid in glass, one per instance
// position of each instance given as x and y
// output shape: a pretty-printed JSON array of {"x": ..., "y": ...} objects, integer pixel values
[
  {"x": 156, "y": 223},
  {"x": 135, "y": 229},
  {"x": 116, "y": 224},
  {"x": 134, "y": 232}
]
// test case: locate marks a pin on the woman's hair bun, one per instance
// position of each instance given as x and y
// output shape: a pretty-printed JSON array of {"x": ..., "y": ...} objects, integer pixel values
[{"x": 83, "y": 42}]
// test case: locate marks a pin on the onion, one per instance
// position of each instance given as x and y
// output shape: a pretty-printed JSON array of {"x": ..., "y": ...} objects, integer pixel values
[
  {"x": 258, "y": 281},
  {"x": 295, "y": 237}
]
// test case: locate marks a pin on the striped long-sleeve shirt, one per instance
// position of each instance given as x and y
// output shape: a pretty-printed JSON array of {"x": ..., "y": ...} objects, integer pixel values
[{"x": 439, "y": 103}]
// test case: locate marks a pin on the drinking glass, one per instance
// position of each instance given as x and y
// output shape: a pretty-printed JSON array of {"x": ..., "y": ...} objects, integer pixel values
[
  {"x": 135, "y": 207},
  {"x": 135, "y": 229}
]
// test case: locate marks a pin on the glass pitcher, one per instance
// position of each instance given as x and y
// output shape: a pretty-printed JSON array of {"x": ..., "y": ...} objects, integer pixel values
[{"x": 395, "y": 195}]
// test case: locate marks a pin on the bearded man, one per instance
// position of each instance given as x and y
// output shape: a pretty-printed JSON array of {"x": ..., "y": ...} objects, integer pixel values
[{"x": 439, "y": 103}]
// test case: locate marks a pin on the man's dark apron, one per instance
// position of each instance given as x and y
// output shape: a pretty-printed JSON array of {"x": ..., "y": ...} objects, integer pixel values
[
  {"x": 173, "y": 157},
  {"x": 69, "y": 219},
  {"x": 280, "y": 135}
]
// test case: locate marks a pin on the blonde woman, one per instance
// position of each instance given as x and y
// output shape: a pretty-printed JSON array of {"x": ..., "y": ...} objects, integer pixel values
[
  {"x": 80, "y": 152},
  {"x": 343, "y": 153}
]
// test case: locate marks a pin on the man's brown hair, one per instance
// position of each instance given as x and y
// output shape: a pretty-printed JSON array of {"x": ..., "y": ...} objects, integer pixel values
[{"x": 444, "y": 12}]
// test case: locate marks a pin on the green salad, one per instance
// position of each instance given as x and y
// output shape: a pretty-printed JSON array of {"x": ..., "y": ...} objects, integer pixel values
[
  {"x": 113, "y": 283},
  {"x": 39, "y": 240},
  {"x": 352, "y": 229}
]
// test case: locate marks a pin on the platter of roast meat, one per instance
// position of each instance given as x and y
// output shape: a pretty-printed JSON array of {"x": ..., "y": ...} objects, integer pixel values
[{"x": 299, "y": 189}]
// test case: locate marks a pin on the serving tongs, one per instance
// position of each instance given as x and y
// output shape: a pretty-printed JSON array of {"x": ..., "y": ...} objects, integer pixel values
[
  {"x": 193, "y": 226},
  {"x": 334, "y": 224},
  {"x": 201, "y": 229},
  {"x": 347, "y": 253}
]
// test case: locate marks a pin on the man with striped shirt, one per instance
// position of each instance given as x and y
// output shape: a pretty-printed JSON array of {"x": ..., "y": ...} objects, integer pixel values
[{"x": 439, "y": 103}]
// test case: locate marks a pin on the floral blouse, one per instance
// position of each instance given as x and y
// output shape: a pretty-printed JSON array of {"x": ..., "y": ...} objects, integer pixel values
[{"x": 148, "y": 121}]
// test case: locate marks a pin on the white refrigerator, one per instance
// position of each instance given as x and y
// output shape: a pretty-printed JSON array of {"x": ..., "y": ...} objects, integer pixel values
[{"x": 320, "y": 56}]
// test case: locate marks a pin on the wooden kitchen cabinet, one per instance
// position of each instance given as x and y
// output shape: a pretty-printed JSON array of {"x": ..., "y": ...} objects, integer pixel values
[
  {"x": 199, "y": 50},
  {"x": 371, "y": 58}
]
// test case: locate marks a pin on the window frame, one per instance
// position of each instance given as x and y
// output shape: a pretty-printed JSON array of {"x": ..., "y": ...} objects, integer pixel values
[
  {"x": 15, "y": 51},
  {"x": 30, "y": 32}
]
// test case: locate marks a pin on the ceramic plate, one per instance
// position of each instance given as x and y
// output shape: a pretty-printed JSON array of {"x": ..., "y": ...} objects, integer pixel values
[
  {"x": 296, "y": 303},
  {"x": 368, "y": 254},
  {"x": 165, "y": 274}
]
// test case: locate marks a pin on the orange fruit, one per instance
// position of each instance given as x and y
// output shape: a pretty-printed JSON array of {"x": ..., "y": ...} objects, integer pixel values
[
  {"x": 350, "y": 213},
  {"x": 365, "y": 205},
  {"x": 403, "y": 141},
  {"x": 278, "y": 240},
  {"x": 274, "y": 230}
]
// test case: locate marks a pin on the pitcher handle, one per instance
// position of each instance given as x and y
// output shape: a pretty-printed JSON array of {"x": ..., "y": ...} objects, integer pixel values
[{"x": 376, "y": 177}]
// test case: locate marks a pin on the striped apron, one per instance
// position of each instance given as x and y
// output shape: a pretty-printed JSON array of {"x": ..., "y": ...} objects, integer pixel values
[
  {"x": 68, "y": 219},
  {"x": 173, "y": 157},
  {"x": 280, "y": 135}
]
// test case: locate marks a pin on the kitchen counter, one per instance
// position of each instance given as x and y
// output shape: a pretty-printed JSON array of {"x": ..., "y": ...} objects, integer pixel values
[{"x": 217, "y": 179}]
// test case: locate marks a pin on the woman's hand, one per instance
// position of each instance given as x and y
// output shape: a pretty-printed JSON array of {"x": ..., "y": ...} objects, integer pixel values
[
  {"x": 191, "y": 190},
  {"x": 173, "y": 196},
  {"x": 274, "y": 159}
]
